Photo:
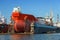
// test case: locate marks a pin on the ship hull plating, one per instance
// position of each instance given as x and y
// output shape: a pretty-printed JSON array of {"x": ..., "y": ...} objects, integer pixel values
[{"x": 22, "y": 21}]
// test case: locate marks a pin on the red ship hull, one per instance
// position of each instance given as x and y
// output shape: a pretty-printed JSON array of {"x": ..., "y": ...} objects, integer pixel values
[
  {"x": 22, "y": 21},
  {"x": 19, "y": 26}
]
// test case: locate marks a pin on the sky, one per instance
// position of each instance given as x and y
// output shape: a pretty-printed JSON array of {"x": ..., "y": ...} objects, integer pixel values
[{"x": 38, "y": 8}]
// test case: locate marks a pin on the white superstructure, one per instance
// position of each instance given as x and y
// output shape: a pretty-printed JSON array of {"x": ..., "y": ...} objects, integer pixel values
[
  {"x": 17, "y": 9},
  {"x": 2, "y": 19},
  {"x": 57, "y": 24}
]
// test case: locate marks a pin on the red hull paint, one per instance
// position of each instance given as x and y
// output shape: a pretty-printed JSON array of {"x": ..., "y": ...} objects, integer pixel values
[{"x": 20, "y": 24}]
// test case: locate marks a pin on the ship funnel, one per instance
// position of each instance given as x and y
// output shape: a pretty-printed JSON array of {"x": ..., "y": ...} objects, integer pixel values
[{"x": 16, "y": 9}]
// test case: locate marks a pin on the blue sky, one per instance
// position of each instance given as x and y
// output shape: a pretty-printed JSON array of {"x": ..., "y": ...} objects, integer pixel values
[{"x": 34, "y": 7}]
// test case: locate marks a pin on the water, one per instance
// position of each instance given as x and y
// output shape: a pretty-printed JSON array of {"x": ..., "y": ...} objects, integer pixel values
[{"x": 55, "y": 36}]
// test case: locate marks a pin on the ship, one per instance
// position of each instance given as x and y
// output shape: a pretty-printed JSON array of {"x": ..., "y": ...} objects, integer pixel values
[
  {"x": 21, "y": 21},
  {"x": 43, "y": 26},
  {"x": 46, "y": 25},
  {"x": 27, "y": 23},
  {"x": 3, "y": 24}
]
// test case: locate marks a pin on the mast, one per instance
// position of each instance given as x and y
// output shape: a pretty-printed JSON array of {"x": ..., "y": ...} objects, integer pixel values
[
  {"x": 51, "y": 14},
  {"x": 57, "y": 18},
  {"x": 51, "y": 17},
  {"x": 0, "y": 14}
]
